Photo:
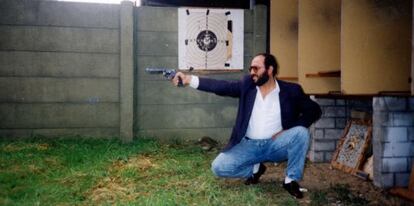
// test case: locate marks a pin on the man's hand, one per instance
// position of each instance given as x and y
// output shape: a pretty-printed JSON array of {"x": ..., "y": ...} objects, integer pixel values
[
  {"x": 185, "y": 78},
  {"x": 277, "y": 134}
]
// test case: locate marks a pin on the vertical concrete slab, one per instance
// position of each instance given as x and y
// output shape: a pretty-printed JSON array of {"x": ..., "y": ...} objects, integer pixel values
[
  {"x": 284, "y": 36},
  {"x": 259, "y": 29},
  {"x": 319, "y": 44},
  {"x": 126, "y": 72},
  {"x": 375, "y": 48}
]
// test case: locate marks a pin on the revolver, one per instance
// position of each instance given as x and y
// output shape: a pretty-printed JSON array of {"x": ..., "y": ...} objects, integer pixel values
[{"x": 167, "y": 73}]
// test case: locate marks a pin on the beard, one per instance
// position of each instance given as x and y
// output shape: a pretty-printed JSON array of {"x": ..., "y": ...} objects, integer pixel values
[{"x": 261, "y": 79}]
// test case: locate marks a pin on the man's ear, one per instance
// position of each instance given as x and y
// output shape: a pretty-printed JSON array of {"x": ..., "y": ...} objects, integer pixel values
[{"x": 270, "y": 71}]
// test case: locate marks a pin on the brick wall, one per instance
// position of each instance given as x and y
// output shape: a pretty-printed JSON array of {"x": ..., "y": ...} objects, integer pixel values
[
  {"x": 393, "y": 140},
  {"x": 329, "y": 128}
]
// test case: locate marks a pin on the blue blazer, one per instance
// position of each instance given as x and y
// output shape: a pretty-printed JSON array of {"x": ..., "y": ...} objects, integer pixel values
[{"x": 297, "y": 109}]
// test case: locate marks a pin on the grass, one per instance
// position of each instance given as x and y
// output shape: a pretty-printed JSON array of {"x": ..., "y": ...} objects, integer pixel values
[{"x": 107, "y": 172}]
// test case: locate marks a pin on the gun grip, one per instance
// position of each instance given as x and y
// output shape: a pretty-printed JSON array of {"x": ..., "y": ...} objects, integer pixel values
[{"x": 180, "y": 82}]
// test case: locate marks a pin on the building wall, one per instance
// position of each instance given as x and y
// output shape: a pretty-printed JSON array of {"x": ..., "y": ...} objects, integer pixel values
[
  {"x": 166, "y": 112},
  {"x": 59, "y": 69},
  {"x": 328, "y": 130},
  {"x": 393, "y": 142}
]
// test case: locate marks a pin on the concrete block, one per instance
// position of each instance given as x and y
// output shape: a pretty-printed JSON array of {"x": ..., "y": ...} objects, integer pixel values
[
  {"x": 79, "y": 90},
  {"x": 187, "y": 134},
  {"x": 248, "y": 44},
  {"x": 340, "y": 123},
  {"x": 157, "y": 43},
  {"x": 53, "y": 13},
  {"x": 167, "y": 93},
  {"x": 247, "y": 61},
  {"x": 325, "y": 102},
  {"x": 59, "y": 39},
  {"x": 333, "y": 111},
  {"x": 395, "y": 103},
  {"x": 394, "y": 165},
  {"x": 316, "y": 156},
  {"x": 58, "y": 115},
  {"x": 378, "y": 104},
  {"x": 396, "y": 134},
  {"x": 318, "y": 134},
  {"x": 185, "y": 116},
  {"x": 324, "y": 146},
  {"x": 334, "y": 134},
  {"x": 398, "y": 149},
  {"x": 410, "y": 133},
  {"x": 248, "y": 20},
  {"x": 361, "y": 105},
  {"x": 384, "y": 180},
  {"x": 411, "y": 103},
  {"x": 382, "y": 119},
  {"x": 402, "y": 179},
  {"x": 259, "y": 44},
  {"x": 403, "y": 119},
  {"x": 156, "y": 19},
  {"x": 58, "y": 64},
  {"x": 328, "y": 156},
  {"x": 340, "y": 102},
  {"x": 325, "y": 123},
  {"x": 260, "y": 19},
  {"x": 107, "y": 133}
]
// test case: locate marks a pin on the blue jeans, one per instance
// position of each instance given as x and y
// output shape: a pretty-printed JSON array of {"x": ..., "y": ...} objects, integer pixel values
[{"x": 291, "y": 145}]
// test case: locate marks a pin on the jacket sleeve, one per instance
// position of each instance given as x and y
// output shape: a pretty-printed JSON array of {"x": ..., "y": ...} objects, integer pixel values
[
  {"x": 220, "y": 87},
  {"x": 309, "y": 111}
]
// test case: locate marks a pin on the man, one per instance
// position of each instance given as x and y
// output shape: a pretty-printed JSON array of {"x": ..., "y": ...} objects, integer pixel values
[{"x": 271, "y": 124}]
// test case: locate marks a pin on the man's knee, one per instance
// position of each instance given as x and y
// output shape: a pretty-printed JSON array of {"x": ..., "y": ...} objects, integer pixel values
[
  {"x": 215, "y": 167},
  {"x": 221, "y": 167}
]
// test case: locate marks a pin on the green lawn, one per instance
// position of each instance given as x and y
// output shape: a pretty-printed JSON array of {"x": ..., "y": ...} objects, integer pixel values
[{"x": 107, "y": 172}]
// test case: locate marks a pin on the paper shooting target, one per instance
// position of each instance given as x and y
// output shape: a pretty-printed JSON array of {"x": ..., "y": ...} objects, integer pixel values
[{"x": 207, "y": 39}]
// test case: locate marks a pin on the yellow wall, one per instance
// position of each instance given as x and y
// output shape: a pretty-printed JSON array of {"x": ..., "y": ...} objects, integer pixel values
[
  {"x": 319, "y": 44},
  {"x": 376, "y": 46},
  {"x": 284, "y": 36}
]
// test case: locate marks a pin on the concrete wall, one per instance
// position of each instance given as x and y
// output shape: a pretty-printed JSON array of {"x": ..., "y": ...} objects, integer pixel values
[
  {"x": 328, "y": 130},
  {"x": 393, "y": 140},
  {"x": 166, "y": 112},
  {"x": 68, "y": 69},
  {"x": 60, "y": 69}
]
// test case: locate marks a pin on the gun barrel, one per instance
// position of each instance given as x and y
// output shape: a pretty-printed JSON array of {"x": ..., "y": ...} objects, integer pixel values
[{"x": 158, "y": 70}]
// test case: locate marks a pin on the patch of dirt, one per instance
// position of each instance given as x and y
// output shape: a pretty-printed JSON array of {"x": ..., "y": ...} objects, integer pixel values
[
  {"x": 320, "y": 177},
  {"x": 115, "y": 188}
]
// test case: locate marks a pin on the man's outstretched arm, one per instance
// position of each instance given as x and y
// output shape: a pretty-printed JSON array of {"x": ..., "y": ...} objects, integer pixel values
[{"x": 219, "y": 87}]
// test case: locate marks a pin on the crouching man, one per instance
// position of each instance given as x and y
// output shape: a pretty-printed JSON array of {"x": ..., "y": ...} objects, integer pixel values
[{"x": 271, "y": 125}]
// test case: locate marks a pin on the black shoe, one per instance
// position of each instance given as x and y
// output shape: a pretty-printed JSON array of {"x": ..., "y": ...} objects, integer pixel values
[
  {"x": 254, "y": 179},
  {"x": 294, "y": 189}
]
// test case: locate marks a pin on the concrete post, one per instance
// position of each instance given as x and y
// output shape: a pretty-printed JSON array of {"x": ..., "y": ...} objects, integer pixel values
[
  {"x": 126, "y": 71},
  {"x": 259, "y": 29}
]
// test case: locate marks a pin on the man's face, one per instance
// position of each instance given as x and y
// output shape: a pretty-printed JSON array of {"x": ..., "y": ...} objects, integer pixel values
[{"x": 258, "y": 73}]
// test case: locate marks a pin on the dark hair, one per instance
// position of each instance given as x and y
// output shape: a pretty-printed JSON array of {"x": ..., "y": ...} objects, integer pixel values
[{"x": 270, "y": 60}]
